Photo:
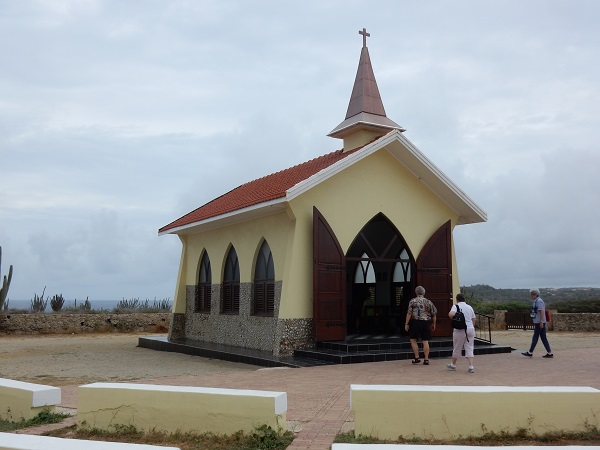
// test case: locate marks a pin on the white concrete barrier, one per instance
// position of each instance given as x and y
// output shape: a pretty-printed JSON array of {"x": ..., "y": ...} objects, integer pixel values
[
  {"x": 9, "y": 441},
  {"x": 184, "y": 408},
  {"x": 449, "y": 412},
  {"x": 20, "y": 400}
]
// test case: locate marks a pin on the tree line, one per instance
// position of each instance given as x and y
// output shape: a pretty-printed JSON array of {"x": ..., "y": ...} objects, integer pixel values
[{"x": 485, "y": 299}]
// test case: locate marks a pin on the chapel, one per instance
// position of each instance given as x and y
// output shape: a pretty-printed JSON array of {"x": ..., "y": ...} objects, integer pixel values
[{"x": 325, "y": 249}]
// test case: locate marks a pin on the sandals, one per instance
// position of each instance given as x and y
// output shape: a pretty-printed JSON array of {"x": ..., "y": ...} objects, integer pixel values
[{"x": 417, "y": 361}]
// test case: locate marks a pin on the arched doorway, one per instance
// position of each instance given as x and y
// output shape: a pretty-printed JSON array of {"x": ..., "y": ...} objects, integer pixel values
[{"x": 380, "y": 270}]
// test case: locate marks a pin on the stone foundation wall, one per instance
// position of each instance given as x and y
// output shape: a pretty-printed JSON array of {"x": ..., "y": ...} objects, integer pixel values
[
  {"x": 242, "y": 329},
  {"x": 177, "y": 327},
  {"x": 268, "y": 333},
  {"x": 293, "y": 334},
  {"x": 83, "y": 323}
]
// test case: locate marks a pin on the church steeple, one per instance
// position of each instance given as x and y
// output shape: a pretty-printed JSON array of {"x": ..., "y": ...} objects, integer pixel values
[{"x": 365, "y": 118}]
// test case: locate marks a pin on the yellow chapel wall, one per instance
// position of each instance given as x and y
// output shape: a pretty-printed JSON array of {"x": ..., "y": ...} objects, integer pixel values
[
  {"x": 179, "y": 297},
  {"x": 359, "y": 138},
  {"x": 246, "y": 237},
  {"x": 348, "y": 200}
]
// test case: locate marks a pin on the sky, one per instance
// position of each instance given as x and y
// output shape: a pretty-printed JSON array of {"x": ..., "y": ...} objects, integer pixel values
[{"x": 118, "y": 117}]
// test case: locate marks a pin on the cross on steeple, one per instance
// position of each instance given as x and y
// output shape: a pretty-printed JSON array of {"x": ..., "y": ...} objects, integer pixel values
[{"x": 365, "y": 35}]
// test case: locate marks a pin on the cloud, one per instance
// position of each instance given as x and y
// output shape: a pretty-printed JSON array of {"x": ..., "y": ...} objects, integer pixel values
[
  {"x": 116, "y": 119},
  {"x": 541, "y": 229},
  {"x": 102, "y": 256}
]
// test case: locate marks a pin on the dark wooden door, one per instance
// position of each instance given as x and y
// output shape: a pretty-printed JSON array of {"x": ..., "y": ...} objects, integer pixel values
[
  {"x": 329, "y": 283},
  {"x": 434, "y": 273}
]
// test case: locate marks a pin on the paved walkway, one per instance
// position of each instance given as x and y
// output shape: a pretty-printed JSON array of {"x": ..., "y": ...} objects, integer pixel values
[{"x": 318, "y": 397}]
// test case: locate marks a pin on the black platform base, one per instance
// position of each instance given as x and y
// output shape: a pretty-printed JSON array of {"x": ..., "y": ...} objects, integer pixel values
[{"x": 355, "y": 349}]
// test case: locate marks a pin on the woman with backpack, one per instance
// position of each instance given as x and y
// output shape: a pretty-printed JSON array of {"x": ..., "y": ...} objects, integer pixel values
[{"x": 463, "y": 335}]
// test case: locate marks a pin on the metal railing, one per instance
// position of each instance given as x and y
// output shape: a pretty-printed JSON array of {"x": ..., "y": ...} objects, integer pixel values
[
  {"x": 483, "y": 330},
  {"x": 517, "y": 320}
]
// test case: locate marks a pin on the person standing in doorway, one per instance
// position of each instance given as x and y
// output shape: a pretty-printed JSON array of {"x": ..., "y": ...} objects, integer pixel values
[
  {"x": 463, "y": 338},
  {"x": 420, "y": 320},
  {"x": 367, "y": 314},
  {"x": 538, "y": 315}
]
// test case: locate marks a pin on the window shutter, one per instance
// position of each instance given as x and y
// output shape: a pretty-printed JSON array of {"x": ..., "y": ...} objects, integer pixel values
[
  {"x": 259, "y": 297},
  {"x": 236, "y": 297},
  {"x": 270, "y": 300},
  {"x": 227, "y": 297}
]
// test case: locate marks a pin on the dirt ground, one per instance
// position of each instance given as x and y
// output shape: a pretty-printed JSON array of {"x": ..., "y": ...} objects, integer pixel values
[
  {"x": 520, "y": 340},
  {"x": 61, "y": 360}
]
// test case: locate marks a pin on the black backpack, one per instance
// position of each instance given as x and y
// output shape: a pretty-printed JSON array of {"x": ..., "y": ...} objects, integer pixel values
[{"x": 458, "y": 321}]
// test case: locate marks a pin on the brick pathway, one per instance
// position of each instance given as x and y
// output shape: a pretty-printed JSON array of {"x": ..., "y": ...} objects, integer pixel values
[{"x": 318, "y": 397}]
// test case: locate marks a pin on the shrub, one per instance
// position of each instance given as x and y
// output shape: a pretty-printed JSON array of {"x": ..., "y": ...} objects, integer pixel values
[
  {"x": 577, "y": 306},
  {"x": 265, "y": 437},
  {"x": 43, "y": 417},
  {"x": 482, "y": 307},
  {"x": 262, "y": 438},
  {"x": 568, "y": 306}
]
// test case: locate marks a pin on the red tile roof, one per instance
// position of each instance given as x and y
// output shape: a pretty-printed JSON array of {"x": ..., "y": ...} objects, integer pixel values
[{"x": 270, "y": 187}]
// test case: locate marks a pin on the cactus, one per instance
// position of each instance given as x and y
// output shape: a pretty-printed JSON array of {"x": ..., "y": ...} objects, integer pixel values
[
  {"x": 38, "y": 304},
  {"x": 86, "y": 306},
  {"x": 5, "y": 282},
  {"x": 57, "y": 302}
]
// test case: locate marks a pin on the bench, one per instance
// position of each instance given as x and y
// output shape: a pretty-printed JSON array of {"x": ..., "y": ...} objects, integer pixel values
[
  {"x": 9, "y": 441},
  {"x": 448, "y": 412},
  {"x": 184, "y": 408},
  {"x": 20, "y": 400}
]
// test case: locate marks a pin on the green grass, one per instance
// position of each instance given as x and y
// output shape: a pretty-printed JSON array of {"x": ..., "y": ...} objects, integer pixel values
[
  {"x": 43, "y": 418},
  {"x": 591, "y": 436},
  {"x": 262, "y": 438}
]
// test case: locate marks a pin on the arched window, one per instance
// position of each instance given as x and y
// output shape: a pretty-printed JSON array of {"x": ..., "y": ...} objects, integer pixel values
[
  {"x": 264, "y": 282},
  {"x": 401, "y": 282},
  {"x": 402, "y": 268},
  {"x": 231, "y": 284},
  {"x": 364, "y": 272},
  {"x": 364, "y": 276},
  {"x": 203, "y": 288}
]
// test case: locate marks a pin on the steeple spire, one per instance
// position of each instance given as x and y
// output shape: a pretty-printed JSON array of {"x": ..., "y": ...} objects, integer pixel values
[{"x": 365, "y": 117}]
